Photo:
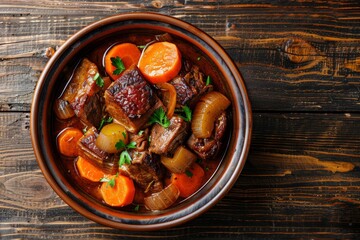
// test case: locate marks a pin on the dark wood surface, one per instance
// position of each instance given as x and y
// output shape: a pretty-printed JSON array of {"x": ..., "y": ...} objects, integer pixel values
[{"x": 300, "y": 61}]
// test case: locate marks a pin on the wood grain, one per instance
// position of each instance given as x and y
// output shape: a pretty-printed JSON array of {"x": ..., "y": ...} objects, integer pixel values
[
  {"x": 326, "y": 80},
  {"x": 300, "y": 61},
  {"x": 279, "y": 191}
]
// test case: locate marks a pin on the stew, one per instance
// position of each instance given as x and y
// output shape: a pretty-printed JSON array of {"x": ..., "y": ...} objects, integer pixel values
[{"x": 142, "y": 129}]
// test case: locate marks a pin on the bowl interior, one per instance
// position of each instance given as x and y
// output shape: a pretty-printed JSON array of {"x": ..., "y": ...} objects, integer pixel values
[{"x": 92, "y": 42}]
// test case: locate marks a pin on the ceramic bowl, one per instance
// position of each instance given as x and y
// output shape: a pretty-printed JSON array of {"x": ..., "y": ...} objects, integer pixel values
[{"x": 213, "y": 58}]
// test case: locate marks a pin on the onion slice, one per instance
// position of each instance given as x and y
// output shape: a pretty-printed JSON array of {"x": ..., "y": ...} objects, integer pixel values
[
  {"x": 163, "y": 199},
  {"x": 109, "y": 135},
  {"x": 181, "y": 161},
  {"x": 209, "y": 107},
  {"x": 63, "y": 109},
  {"x": 169, "y": 98}
]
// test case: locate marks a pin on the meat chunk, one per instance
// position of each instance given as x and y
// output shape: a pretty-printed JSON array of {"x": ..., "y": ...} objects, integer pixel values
[
  {"x": 82, "y": 94},
  {"x": 220, "y": 126},
  {"x": 131, "y": 100},
  {"x": 195, "y": 78},
  {"x": 164, "y": 141},
  {"x": 207, "y": 148},
  {"x": 88, "y": 149},
  {"x": 141, "y": 139},
  {"x": 190, "y": 84},
  {"x": 145, "y": 169},
  {"x": 183, "y": 91}
]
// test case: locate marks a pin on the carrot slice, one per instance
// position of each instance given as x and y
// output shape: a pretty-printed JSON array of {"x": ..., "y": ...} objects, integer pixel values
[
  {"x": 169, "y": 97},
  {"x": 67, "y": 140},
  {"x": 119, "y": 195},
  {"x": 190, "y": 181},
  {"x": 128, "y": 53},
  {"x": 160, "y": 62},
  {"x": 88, "y": 170}
]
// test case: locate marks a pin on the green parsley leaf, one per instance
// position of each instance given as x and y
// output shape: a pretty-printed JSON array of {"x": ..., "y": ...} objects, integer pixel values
[
  {"x": 120, "y": 144},
  {"x": 159, "y": 116},
  {"x": 98, "y": 80},
  {"x": 111, "y": 181},
  {"x": 199, "y": 160},
  {"x": 84, "y": 130},
  {"x": 188, "y": 173},
  {"x": 118, "y": 64},
  {"x": 105, "y": 120},
  {"x": 198, "y": 58},
  {"x": 124, "y": 134},
  {"x": 141, "y": 46},
  {"x": 188, "y": 114},
  {"x": 141, "y": 132},
  {"x": 131, "y": 145},
  {"x": 125, "y": 158},
  {"x": 104, "y": 179},
  {"x": 208, "y": 81},
  {"x": 136, "y": 208}
]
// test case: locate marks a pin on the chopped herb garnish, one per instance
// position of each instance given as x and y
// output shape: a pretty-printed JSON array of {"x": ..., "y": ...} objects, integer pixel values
[
  {"x": 136, "y": 208},
  {"x": 141, "y": 132},
  {"x": 131, "y": 145},
  {"x": 105, "y": 120},
  {"x": 188, "y": 173},
  {"x": 98, "y": 80},
  {"x": 199, "y": 160},
  {"x": 104, "y": 179},
  {"x": 120, "y": 144},
  {"x": 84, "y": 130},
  {"x": 118, "y": 64},
  {"x": 187, "y": 112},
  {"x": 208, "y": 81},
  {"x": 125, "y": 157},
  {"x": 141, "y": 46},
  {"x": 159, "y": 116},
  {"x": 207, "y": 168},
  {"x": 110, "y": 182},
  {"x": 198, "y": 58}
]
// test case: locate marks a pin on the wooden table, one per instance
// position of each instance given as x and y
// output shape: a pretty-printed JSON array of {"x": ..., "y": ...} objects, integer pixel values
[{"x": 300, "y": 61}]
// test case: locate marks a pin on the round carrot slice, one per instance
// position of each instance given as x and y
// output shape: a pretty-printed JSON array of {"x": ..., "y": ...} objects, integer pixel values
[
  {"x": 160, "y": 62},
  {"x": 125, "y": 53},
  {"x": 67, "y": 141},
  {"x": 88, "y": 170},
  {"x": 120, "y": 194},
  {"x": 190, "y": 181}
]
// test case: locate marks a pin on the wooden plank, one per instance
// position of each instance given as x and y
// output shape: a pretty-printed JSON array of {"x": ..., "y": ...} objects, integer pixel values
[
  {"x": 287, "y": 64},
  {"x": 300, "y": 180}
]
